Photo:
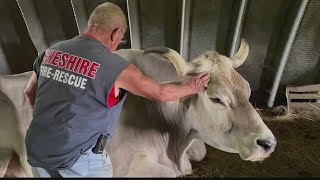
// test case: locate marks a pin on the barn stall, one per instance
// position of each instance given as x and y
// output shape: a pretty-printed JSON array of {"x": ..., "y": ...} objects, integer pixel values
[{"x": 284, "y": 52}]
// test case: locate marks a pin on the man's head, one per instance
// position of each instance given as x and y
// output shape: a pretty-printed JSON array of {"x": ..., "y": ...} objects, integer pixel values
[{"x": 108, "y": 24}]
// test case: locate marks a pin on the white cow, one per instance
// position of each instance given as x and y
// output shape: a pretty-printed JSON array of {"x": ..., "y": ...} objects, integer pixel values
[
  {"x": 159, "y": 139},
  {"x": 15, "y": 117}
]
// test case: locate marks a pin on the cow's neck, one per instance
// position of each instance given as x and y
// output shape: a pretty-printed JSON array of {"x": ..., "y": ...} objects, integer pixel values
[
  {"x": 180, "y": 132},
  {"x": 13, "y": 85},
  {"x": 170, "y": 117}
]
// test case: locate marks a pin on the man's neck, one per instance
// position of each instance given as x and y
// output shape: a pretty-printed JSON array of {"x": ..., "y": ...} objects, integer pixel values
[{"x": 97, "y": 37}]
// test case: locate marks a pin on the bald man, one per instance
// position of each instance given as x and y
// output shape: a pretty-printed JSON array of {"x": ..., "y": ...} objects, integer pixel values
[{"x": 77, "y": 91}]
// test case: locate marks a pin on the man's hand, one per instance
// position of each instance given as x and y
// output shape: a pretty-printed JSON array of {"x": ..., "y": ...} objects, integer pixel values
[
  {"x": 31, "y": 89},
  {"x": 198, "y": 82},
  {"x": 30, "y": 100}
]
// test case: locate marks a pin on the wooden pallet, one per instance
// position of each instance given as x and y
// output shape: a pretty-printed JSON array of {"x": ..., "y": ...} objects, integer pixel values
[{"x": 310, "y": 94}]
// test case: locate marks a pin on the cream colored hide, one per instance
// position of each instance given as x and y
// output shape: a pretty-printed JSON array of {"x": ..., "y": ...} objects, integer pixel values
[
  {"x": 15, "y": 117},
  {"x": 155, "y": 139}
]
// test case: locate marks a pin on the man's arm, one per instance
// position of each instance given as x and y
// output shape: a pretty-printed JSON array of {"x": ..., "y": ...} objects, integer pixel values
[
  {"x": 31, "y": 89},
  {"x": 132, "y": 80}
]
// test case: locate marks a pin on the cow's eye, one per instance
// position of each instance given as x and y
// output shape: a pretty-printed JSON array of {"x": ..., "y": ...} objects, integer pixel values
[{"x": 216, "y": 100}]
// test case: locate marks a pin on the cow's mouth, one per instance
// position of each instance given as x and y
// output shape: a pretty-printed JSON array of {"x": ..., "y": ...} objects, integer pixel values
[
  {"x": 256, "y": 156},
  {"x": 257, "y": 159}
]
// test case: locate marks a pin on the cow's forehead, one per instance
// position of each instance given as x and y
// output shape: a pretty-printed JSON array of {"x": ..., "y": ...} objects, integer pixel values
[
  {"x": 229, "y": 84},
  {"x": 223, "y": 77}
]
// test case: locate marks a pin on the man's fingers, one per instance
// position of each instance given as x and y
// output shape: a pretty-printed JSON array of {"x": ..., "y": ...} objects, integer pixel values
[
  {"x": 204, "y": 76},
  {"x": 201, "y": 80},
  {"x": 201, "y": 74},
  {"x": 205, "y": 83},
  {"x": 205, "y": 79}
]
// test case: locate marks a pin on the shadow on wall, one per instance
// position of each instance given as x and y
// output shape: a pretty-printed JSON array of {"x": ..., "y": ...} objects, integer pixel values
[
  {"x": 309, "y": 77},
  {"x": 16, "y": 43}
]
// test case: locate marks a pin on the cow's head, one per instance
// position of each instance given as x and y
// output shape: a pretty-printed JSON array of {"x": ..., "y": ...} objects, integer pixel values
[{"x": 222, "y": 114}]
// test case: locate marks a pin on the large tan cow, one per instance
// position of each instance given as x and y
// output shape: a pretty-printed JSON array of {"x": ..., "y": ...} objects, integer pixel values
[
  {"x": 159, "y": 139},
  {"x": 15, "y": 117}
]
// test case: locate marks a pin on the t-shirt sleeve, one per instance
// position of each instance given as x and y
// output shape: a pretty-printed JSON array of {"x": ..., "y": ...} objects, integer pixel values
[
  {"x": 115, "y": 64},
  {"x": 37, "y": 64},
  {"x": 122, "y": 63}
]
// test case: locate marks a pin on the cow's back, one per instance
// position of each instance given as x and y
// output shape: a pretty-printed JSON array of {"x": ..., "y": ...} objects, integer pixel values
[{"x": 152, "y": 65}]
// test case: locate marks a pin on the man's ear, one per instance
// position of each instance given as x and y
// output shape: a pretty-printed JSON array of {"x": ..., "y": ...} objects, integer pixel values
[{"x": 113, "y": 33}]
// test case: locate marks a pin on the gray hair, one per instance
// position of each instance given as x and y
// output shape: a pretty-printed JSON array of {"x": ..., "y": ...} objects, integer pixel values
[{"x": 108, "y": 16}]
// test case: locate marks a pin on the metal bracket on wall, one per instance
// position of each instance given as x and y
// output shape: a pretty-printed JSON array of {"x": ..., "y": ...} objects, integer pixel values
[
  {"x": 237, "y": 32},
  {"x": 80, "y": 14},
  {"x": 134, "y": 24},
  {"x": 286, "y": 52}
]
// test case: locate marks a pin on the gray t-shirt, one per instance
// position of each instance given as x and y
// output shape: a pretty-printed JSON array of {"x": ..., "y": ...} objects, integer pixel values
[{"x": 74, "y": 80}]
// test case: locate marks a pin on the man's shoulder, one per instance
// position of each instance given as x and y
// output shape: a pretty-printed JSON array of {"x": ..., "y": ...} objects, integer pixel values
[{"x": 111, "y": 56}]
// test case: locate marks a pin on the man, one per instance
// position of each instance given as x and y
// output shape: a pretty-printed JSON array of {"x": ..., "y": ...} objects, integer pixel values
[{"x": 77, "y": 90}]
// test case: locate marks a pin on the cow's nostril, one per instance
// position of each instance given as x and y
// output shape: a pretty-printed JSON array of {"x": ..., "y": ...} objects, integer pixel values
[{"x": 265, "y": 144}]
